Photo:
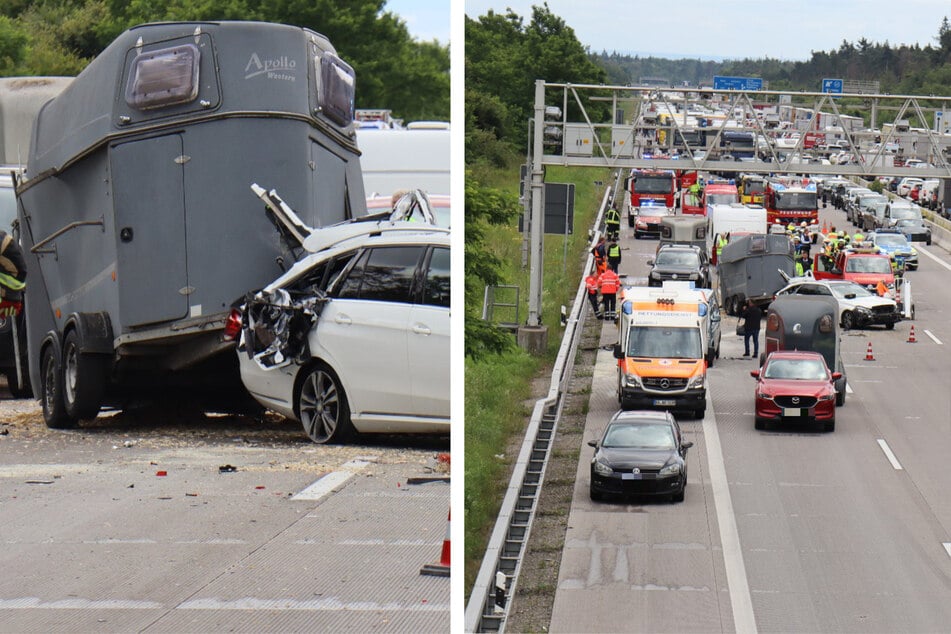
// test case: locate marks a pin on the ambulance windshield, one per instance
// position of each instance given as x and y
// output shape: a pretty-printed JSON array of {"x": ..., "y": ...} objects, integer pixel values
[{"x": 664, "y": 342}]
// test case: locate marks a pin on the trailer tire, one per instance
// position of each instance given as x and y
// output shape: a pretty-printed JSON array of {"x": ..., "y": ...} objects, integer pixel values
[
  {"x": 54, "y": 410},
  {"x": 84, "y": 379}
]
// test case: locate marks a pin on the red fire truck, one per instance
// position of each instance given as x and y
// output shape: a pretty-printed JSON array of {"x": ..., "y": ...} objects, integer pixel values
[
  {"x": 791, "y": 200},
  {"x": 658, "y": 185}
]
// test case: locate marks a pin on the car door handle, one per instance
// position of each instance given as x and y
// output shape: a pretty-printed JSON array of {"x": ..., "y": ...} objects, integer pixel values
[
  {"x": 343, "y": 319},
  {"x": 422, "y": 329}
]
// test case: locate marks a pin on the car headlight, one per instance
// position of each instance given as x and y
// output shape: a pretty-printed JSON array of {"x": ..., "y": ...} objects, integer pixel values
[
  {"x": 763, "y": 395},
  {"x": 863, "y": 310},
  {"x": 632, "y": 380},
  {"x": 671, "y": 469},
  {"x": 914, "y": 252},
  {"x": 655, "y": 275},
  {"x": 827, "y": 397},
  {"x": 696, "y": 382},
  {"x": 600, "y": 467}
]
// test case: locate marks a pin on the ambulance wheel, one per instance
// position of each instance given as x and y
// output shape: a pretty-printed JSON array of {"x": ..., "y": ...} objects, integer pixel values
[
  {"x": 84, "y": 379},
  {"x": 54, "y": 410},
  {"x": 890, "y": 326},
  {"x": 848, "y": 320}
]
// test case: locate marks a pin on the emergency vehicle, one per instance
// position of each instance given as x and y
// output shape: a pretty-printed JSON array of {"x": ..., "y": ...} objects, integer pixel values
[
  {"x": 715, "y": 192},
  {"x": 661, "y": 347},
  {"x": 752, "y": 189},
  {"x": 656, "y": 185},
  {"x": 863, "y": 265},
  {"x": 791, "y": 200}
]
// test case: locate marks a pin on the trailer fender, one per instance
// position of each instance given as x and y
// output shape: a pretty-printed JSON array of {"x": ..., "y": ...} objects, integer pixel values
[{"x": 94, "y": 331}]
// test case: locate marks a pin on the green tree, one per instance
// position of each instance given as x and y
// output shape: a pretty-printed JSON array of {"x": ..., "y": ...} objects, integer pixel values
[{"x": 484, "y": 206}]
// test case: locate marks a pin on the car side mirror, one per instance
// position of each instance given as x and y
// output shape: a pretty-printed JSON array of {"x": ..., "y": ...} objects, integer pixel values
[
  {"x": 593, "y": 443},
  {"x": 836, "y": 376},
  {"x": 850, "y": 295},
  {"x": 686, "y": 445},
  {"x": 835, "y": 271},
  {"x": 754, "y": 374},
  {"x": 617, "y": 351},
  {"x": 650, "y": 263}
]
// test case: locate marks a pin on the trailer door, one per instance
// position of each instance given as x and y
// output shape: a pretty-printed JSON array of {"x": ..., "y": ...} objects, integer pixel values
[{"x": 148, "y": 183}]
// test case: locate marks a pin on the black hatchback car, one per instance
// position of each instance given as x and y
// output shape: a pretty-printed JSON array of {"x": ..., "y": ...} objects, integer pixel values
[
  {"x": 641, "y": 453},
  {"x": 681, "y": 262}
]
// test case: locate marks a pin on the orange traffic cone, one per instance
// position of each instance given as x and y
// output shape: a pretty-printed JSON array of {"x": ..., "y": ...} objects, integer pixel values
[
  {"x": 441, "y": 569},
  {"x": 868, "y": 353},
  {"x": 825, "y": 228},
  {"x": 911, "y": 335}
]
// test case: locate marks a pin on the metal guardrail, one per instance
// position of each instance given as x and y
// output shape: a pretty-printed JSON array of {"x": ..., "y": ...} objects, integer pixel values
[{"x": 487, "y": 609}]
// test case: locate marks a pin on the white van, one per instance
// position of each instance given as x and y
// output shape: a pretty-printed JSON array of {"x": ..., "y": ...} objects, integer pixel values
[{"x": 394, "y": 160}]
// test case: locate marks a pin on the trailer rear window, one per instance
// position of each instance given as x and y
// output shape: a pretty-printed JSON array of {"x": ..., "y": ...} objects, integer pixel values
[
  {"x": 336, "y": 88},
  {"x": 163, "y": 77}
]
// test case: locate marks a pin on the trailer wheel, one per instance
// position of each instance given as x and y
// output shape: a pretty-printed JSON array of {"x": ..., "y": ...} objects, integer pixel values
[
  {"x": 54, "y": 410},
  {"x": 84, "y": 380}
]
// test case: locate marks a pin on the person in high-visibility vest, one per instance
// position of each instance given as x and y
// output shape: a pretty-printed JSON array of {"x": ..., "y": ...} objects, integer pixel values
[
  {"x": 612, "y": 222},
  {"x": 609, "y": 283},
  {"x": 858, "y": 237},
  {"x": 12, "y": 276},
  {"x": 600, "y": 252},
  {"x": 591, "y": 284},
  {"x": 722, "y": 241},
  {"x": 803, "y": 264},
  {"x": 614, "y": 256}
]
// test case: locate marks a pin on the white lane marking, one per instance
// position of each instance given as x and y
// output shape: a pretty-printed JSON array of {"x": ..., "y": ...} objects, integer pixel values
[
  {"x": 35, "y": 603},
  {"x": 935, "y": 258},
  {"x": 947, "y": 547},
  {"x": 848, "y": 388},
  {"x": 744, "y": 622},
  {"x": 888, "y": 454},
  {"x": 324, "y": 603},
  {"x": 933, "y": 338},
  {"x": 331, "y": 481}
]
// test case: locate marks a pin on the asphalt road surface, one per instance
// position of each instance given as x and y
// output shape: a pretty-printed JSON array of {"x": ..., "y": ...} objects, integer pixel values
[
  {"x": 150, "y": 523},
  {"x": 789, "y": 529}
]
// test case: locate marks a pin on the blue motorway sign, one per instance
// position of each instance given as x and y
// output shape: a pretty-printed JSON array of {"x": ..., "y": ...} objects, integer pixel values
[
  {"x": 721, "y": 82},
  {"x": 832, "y": 85}
]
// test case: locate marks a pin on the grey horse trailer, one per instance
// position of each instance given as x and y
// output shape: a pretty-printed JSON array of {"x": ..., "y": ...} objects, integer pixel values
[{"x": 137, "y": 218}]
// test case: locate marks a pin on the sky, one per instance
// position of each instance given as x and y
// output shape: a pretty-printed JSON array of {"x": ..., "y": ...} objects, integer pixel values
[
  {"x": 735, "y": 29},
  {"x": 426, "y": 20}
]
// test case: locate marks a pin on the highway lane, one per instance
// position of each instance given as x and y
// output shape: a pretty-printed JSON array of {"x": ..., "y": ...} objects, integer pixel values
[{"x": 832, "y": 536}]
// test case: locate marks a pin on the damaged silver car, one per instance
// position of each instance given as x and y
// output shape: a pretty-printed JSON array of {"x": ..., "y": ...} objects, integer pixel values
[{"x": 354, "y": 337}]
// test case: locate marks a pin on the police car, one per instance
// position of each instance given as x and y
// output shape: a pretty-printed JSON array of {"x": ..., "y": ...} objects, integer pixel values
[{"x": 894, "y": 244}]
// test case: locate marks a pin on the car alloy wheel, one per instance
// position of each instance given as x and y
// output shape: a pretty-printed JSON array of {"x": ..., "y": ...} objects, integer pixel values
[{"x": 322, "y": 406}]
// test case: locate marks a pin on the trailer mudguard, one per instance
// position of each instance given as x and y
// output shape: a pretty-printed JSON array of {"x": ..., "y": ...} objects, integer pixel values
[{"x": 94, "y": 330}]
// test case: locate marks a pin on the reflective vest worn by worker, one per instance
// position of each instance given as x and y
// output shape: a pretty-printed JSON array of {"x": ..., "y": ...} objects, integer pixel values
[
  {"x": 591, "y": 283},
  {"x": 609, "y": 282},
  {"x": 12, "y": 276},
  {"x": 721, "y": 242},
  {"x": 614, "y": 251},
  {"x": 612, "y": 218}
]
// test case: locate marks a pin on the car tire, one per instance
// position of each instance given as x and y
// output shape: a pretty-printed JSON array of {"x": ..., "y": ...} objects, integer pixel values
[
  {"x": 710, "y": 359},
  {"x": 322, "y": 406},
  {"x": 890, "y": 326},
  {"x": 54, "y": 410},
  {"x": 839, "y": 399},
  {"x": 84, "y": 380},
  {"x": 848, "y": 320},
  {"x": 829, "y": 426}
]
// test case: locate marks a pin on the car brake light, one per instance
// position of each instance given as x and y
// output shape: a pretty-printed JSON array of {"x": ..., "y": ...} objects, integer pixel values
[{"x": 232, "y": 325}]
